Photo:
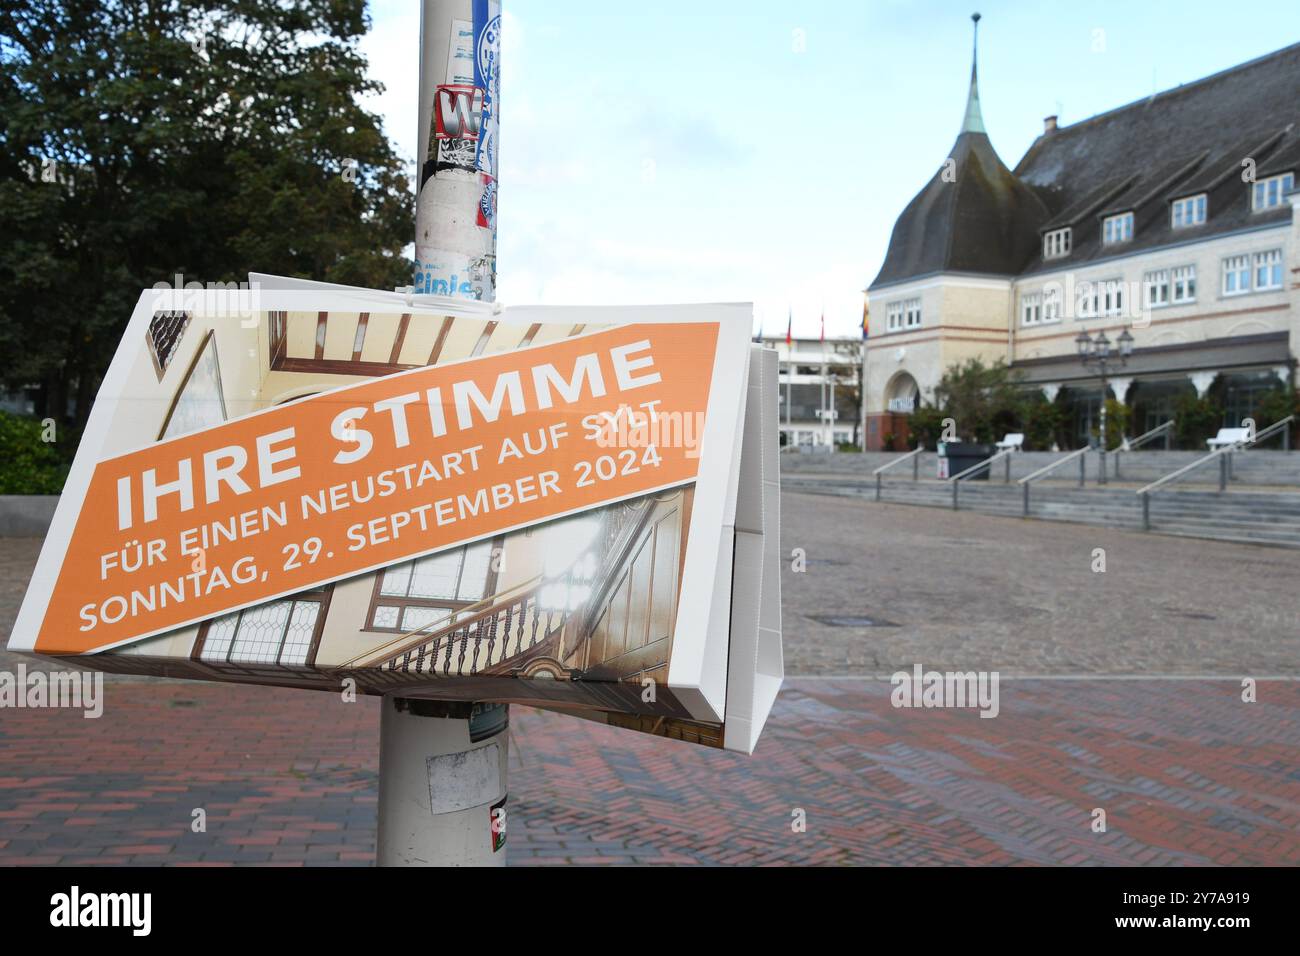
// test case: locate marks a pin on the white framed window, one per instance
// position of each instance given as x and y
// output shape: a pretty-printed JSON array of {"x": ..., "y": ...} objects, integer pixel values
[
  {"x": 1112, "y": 297},
  {"x": 1188, "y": 211},
  {"x": 1031, "y": 308},
  {"x": 1156, "y": 285},
  {"x": 1236, "y": 275},
  {"x": 1056, "y": 243},
  {"x": 911, "y": 313},
  {"x": 1270, "y": 192},
  {"x": 1184, "y": 284},
  {"x": 1100, "y": 297},
  {"x": 894, "y": 316},
  {"x": 1052, "y": 302},
  {"x": 1117, "y": 228},
  {"x": 1085, "y": 300},
  {"x": 1268, "y": 269}
]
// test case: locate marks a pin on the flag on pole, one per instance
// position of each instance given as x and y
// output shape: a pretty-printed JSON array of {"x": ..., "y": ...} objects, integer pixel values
[
  {"x": 789, "y": 326},
  {"x": 866, "y": 318},
  {"x": 823, "y": 325}
]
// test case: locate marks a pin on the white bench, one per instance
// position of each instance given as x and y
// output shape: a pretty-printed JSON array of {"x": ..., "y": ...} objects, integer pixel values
[
  {"x": 1229, "y": 436},
  {"x": 1014, "y": 440}
]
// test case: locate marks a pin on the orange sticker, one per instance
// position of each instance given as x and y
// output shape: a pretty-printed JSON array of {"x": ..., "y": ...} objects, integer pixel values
[{"x": 370, "y": 475}]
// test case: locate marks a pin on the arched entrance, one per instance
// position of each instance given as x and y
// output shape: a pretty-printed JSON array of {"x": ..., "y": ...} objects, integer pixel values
[
  {"x": 902, "y": 394},
  {"x": 892, "y": 431}
]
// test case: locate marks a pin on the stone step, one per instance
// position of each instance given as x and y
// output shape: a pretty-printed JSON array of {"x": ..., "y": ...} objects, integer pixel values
[{"x": 1260, "y": 517}]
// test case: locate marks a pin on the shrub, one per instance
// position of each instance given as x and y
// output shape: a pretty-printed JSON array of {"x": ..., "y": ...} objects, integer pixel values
[
  {"x": 29, "y": 465},
  {"x": 1273, "y": 407},
  {"x": 1117, "y": 421},
  {"x": 1196, "y": 419}
]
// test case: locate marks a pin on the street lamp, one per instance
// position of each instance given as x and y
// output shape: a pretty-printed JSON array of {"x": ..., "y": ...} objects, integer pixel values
[{"x": 1096, "y": 353}]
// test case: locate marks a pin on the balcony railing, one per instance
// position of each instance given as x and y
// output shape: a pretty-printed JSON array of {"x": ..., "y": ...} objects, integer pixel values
[{"x": 477, "y": 641}]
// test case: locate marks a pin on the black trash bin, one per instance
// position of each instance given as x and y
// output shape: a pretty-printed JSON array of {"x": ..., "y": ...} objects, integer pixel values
[{"x": 962, "y": 455}]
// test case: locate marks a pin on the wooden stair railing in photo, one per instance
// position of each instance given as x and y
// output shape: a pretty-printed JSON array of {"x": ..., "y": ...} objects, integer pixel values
[{"x": 474, "y": 640}]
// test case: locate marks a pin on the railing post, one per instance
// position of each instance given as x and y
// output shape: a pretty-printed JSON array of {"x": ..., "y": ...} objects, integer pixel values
[
  {"x": 1026, "y": 510},
  {"x": 1083, "y": 469},
  {"x": 1223, "y": 471},
  {"x": 1118, "y": 452},
  {"x": 955, "y": 485},
  {"x": 877, "y": 486},
  {"x": 916, "y": 465},
  {"x": 1007, "y": 479},
  {"x": 1146, "y": 511}
]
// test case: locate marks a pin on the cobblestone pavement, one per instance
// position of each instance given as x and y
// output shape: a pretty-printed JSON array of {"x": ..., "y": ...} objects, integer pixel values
[
  {"x": 962, "y": 591},
  {"x": 1186, "y": 773}
]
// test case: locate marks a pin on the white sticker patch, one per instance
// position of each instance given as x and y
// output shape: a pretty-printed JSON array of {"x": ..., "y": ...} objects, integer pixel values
[{"x": 471, "y": 778}]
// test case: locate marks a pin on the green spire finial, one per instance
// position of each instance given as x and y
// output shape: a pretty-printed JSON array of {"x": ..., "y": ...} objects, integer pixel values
[{"x": 974, "y": 122}]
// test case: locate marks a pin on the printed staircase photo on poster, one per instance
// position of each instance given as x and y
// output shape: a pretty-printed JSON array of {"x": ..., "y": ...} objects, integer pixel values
[{"x": 430, "y": 497}]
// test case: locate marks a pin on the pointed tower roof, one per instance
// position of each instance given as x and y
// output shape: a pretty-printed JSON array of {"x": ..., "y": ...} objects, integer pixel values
[
  {"x": 974, "y": 121},
  {"x": 974, "y": 216}
]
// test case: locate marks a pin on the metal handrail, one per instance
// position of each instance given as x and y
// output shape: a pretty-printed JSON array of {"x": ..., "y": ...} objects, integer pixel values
[
  {"x": 1225, "y": 467},
  {"x": 1052, "y": 466},
  {"x": 1165, "y": 479},
  {"x": 958, "y": 478},
  {"x": 1148, "y": 435},
  {"x": 1268, "y": 433},
  {"x": 914, "y": 454},
  {"x": 1142, "y": 440},
  {"x": 1220, "y": 453}
]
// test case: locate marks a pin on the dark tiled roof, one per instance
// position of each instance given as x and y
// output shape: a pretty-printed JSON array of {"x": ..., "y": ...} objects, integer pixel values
[
  {"x": 986, "y": 221},
  {"x": 1251, "y": 110},
  {"x": 1137, "y": 158}
]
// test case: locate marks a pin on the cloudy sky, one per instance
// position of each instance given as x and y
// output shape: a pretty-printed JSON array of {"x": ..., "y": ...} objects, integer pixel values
[{"x": 756, "y": 150}]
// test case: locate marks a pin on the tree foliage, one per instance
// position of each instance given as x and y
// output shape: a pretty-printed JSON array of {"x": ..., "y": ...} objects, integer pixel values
[
  {"x": 984, "y": 401},
  {"x": 140, "y": 139},
  {"x": 30, "y": 465}
]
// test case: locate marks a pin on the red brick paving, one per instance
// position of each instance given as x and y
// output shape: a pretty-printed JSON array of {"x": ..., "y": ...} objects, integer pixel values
[{"x": 1186, "y": 772}]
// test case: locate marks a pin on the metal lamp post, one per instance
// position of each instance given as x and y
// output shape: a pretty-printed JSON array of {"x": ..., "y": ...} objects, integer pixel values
[{"x": 1096, "y": 354}]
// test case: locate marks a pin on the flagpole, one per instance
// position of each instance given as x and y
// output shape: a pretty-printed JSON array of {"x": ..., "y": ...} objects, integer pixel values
[
  {"x": 789, "y": 372},
  {"x": 825, "y": 412}
]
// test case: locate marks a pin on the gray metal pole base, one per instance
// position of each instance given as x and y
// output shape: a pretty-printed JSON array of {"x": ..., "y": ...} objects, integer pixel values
[{"x": 442, "y": 783}]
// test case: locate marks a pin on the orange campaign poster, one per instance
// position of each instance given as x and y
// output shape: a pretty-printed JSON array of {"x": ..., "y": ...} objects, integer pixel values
[{"x": 434, "y": 498}]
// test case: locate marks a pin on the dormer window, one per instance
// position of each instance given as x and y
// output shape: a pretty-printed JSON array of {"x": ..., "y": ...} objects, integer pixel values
[
  {"x": 1117, "y": 228},
  {"x": 1056, "y": 243},
  {"x": 1189, "y": 211},
  {"x": 1271, "y": 192}
]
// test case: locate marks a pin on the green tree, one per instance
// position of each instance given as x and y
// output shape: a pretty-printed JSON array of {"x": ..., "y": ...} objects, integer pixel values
[
  {"x": 984, "y": 401},
  {"x": 144, "y": 138},
  {"x": 1118, "y": 418},
  {"x": 1196, "y": 419},
  {"x": 1274, "y": 406},
  {"x": 1044, "y": 422}
]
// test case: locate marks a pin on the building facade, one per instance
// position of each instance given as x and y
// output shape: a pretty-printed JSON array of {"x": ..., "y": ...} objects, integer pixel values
[
  {"x": 1172, "y": 219},
  {"x": 820, "y": 391}
]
